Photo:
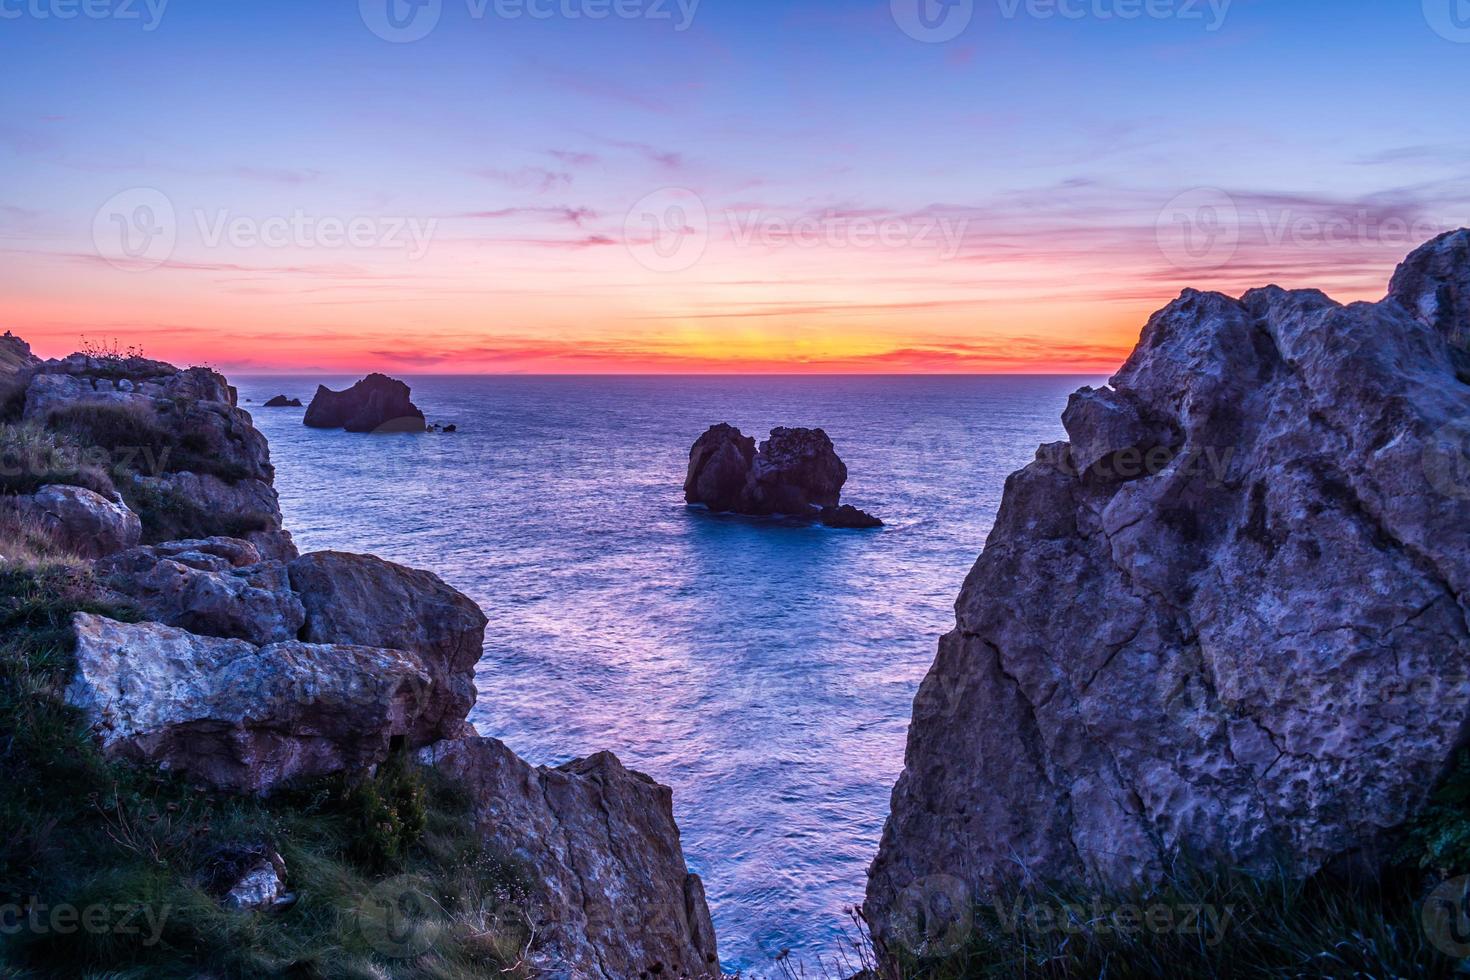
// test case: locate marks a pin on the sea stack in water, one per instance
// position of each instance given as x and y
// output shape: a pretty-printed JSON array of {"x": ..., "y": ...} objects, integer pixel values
[
  {"x": 377, "y": 403},
  {"x": 796, "y": 473},
  {"x": 281, "y": 401},
  {"x": 1224, "y": 623}
]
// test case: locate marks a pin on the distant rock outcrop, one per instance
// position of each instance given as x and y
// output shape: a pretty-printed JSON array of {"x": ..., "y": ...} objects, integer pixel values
[
  {"x": 1226, "y": 622},
  {"x": 281, "y": 401},
  {"x": 796, "y": 473},
  {"x": 377, "y": 403}
]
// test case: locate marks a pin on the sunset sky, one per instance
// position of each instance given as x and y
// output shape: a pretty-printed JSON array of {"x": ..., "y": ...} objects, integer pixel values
[{"x": 732, "y": 185}]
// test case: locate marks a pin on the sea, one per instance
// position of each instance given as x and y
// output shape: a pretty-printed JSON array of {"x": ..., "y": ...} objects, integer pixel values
[{"x": 762, "y": 668}]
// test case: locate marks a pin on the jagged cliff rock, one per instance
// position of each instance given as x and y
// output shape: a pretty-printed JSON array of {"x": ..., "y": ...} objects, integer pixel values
[
  {"x": 181, "y": 453},
  {"x": 617, "y": 901},
  {"x": 796, "y": 472},
  {"x": 377, "y": 403},
  {"x": 1226, "y": 620}
]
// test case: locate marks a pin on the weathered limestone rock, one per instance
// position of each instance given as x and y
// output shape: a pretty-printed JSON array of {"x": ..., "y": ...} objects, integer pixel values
[
  {"x": 218, "y": 587},
  {"x": 235, "y": 715},
  {"x": 377, "y": 403},
  {"x": 78, "y": 520},
  {"x": 365, "y": 601},
  {"x": 1254, "y": 650},
  {"x": 614, "y": 898}
]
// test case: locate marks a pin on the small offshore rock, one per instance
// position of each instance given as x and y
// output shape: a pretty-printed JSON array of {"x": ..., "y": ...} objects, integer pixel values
[
  {"x": 281, "y": 401},
  {"x": 848, "y": 516}
]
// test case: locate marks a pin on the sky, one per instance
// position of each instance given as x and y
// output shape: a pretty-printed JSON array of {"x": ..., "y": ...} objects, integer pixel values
[{"x": 679, "y": 186}]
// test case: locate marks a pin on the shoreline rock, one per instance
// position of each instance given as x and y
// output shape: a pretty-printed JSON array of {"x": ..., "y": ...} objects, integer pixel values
[
  {"x": 1226, "y": 622},
  {"x": 377, "y": 404}
]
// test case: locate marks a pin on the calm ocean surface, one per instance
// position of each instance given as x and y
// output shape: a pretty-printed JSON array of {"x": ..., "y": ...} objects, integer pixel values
[{"x": 763, "y": 670}]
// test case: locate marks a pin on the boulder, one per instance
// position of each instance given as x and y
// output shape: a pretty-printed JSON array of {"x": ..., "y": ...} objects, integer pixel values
[
  {"x": 247, "y": 879},
  {"x": 1255, "y": 654},
  {"x": 719, "y": 466},
  {"x": 377, "y": 403},
  {"x": 238, "y": 716},
  {"x": 281, "y": 401},
  {"x": 219, "y": 587},
  {"x": 613, "y": 899},
  {"x": 365, "y": 601},
  {"x": 78, "y": 520},
  {"x": 795, "y": 471}
]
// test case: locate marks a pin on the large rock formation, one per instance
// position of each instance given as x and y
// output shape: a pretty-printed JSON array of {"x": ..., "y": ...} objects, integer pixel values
[
  {"x": 363, "y": 600},
  {"x": 239, "y": 716},
  {"x": 377, "y": 403},
  {"x": 795, "y": 473},
  {"x": 1226, "y": 621},
  {"x": 616, "y": 901}
]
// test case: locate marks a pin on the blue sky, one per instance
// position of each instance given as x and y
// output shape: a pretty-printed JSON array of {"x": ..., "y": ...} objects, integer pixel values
[{"x": 1050, "y": 141}]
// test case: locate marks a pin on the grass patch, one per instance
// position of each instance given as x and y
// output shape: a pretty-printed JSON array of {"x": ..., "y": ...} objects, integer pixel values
[
  {"x": 1217, "y": 925},
  {"x": 389, "y": 876},
  {"x": 176, "y": 517},
  {"x": 32, "y": 457},
  {"x": 136, "y": 440}
]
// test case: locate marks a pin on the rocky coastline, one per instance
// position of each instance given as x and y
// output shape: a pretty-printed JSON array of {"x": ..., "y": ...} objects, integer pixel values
[{"x": 206, "y": 650}]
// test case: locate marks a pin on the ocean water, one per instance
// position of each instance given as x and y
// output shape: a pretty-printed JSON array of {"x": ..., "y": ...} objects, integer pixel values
[{"x": 763, "y": 669}]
